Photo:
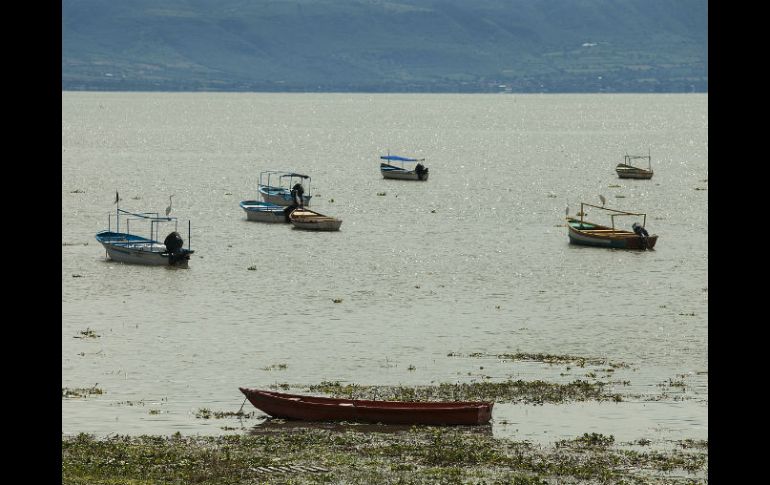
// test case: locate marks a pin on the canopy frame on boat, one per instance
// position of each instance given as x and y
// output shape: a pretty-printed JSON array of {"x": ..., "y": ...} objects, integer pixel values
[
  {"x": 617, "y": 213},
  {"x": 155, "y": 220},
  {"x": 402, "y": 160},
  {"x": 627, "y": 160}
]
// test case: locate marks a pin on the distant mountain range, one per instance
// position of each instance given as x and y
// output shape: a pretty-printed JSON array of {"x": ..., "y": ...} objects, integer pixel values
[{"x": 386, "y": 46}]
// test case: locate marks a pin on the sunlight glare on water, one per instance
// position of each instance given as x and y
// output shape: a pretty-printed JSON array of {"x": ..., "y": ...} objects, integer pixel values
[{"x": 475, "y": 260}]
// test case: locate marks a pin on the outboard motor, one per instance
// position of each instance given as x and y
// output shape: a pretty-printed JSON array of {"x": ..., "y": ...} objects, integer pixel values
[
  {"x": 297, "y": 192},
  {"x": 174, "y": 243},
  {"x": 641, "y": 232},
  {"x": 420, "y": 170}
]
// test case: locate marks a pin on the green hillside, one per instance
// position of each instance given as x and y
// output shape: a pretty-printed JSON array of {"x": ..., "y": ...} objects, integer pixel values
[{"x": 393, "y": 46}]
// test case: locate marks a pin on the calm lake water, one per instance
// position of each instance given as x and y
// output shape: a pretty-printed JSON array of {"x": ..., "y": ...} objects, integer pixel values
[{"x": 474, "y": 261}]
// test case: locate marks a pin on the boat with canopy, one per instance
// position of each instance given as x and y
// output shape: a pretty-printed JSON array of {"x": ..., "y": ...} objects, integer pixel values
[{"x": 403, "y": 168}]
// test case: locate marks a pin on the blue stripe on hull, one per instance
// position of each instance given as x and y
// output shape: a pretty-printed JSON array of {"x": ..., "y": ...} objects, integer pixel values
[{"x": 597, "y": 243}]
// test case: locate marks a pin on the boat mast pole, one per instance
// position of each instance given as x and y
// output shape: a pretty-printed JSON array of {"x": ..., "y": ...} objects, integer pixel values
[{"x": 188, "y": 235}]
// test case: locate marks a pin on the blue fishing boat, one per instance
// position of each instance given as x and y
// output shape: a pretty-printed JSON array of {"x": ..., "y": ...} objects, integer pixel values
[
  {"x": 403, "y": 168},
  {"x": 257, "y": 210},
  {"x": 125, "y": 247},
  {"x": 278, "y": 187}
]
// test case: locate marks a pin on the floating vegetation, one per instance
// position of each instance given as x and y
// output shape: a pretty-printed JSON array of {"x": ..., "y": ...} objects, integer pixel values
[
  {"x": 77, "y": 191},
  {"x": 614, "y": 186},
  {"x": 130, "y": 403},
  {"x": 252, "y": 268},
  {"x": 381, "y": 193},
  {"x": 337, "y": 300},
  {"x": 546, "y": 358},
  {"x": 419, "y": 455},
  {"x": 688, "y": 443},
  {"x": 551, "y": 195},
  {"x": 87, "y": 333},
  {"x": 620, "y": 196},
  {"x": 77, "y": 276},
  {"x": 592, "y": 440},
  {"x": 673, "y": 383},
  {"x": 206, "y": 413},
  {"x": 203, "y": 413},
  {"x": 519, "y": 391},
  {"x": 67, "y": 392},
  {"x": 74, "y": 244},
  {"x": 701, "y": 188},
  {"x": 276, "y": 367},
  {"x": 154, "y": 411}
]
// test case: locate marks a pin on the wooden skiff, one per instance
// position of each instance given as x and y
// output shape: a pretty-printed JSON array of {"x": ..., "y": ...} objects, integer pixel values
[{"x": 309, "y": 408}]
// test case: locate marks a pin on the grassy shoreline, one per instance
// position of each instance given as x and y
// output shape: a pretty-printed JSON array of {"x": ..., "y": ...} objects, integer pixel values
[{"x": 416, "y": 455}]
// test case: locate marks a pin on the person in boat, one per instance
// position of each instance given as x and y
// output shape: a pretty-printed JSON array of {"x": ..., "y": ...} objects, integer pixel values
[
  {"x": 296, "y": 194},
  {"x": 420, "y": 170},
  {"x": 287, "y": 211}
]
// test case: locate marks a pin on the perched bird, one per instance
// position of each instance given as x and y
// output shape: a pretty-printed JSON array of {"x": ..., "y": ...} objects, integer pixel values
[
  {"x": 117, "y": 197},
  {"x": 601, "y": 197},
  {"x": 168, "y": 209}
]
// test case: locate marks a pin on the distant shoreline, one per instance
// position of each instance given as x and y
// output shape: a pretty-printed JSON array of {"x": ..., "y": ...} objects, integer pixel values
[{"x": 266, "y": 91}]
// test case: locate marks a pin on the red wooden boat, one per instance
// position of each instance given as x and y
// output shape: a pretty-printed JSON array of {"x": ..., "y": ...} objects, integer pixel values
[{"x": 309, "y": 408}]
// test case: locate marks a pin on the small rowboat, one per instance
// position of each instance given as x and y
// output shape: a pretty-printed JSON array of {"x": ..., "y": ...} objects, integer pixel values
[
  {"x": 627, "y": 171},
  {"x": 304, "y": 218},
  {"x": 263, "y": 211},
  {"x": 587, "y": 233},
  {"x": 308, "y": 408}
]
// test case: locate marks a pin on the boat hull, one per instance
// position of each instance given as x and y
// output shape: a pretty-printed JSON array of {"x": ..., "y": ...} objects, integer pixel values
[
  {"x": 629, "y": 172},
  {"x": 280, "y": 196},
  {"x": 130, "y": 249},
  {"x": 308, "y": 408},
  {"x": 391, "y": 172},
  {"x": 308, "y": 220},
  {"x": 588, "y": 234},
  {"x": 263, "y": 211}
]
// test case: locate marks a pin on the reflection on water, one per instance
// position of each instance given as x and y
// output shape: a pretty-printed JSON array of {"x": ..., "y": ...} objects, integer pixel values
[
  {"x": 475, "y": 261},
  {"x": 270, "y": 425}
]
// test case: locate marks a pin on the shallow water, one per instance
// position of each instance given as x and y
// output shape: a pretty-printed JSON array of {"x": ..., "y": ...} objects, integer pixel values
[{"x": 476, "y": 260}]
